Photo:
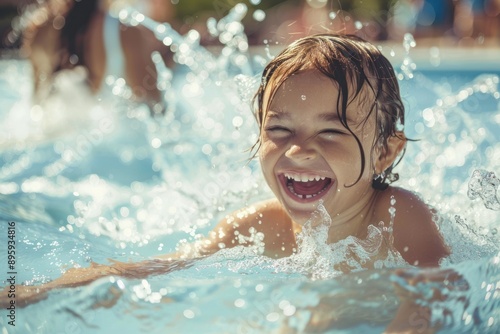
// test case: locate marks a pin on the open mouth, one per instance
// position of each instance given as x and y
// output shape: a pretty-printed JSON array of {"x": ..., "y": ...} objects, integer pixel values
[{"x": 305, "y": 188}]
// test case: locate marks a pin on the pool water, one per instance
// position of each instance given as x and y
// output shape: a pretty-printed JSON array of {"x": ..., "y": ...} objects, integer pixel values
[{"x": 91, "y": 180}]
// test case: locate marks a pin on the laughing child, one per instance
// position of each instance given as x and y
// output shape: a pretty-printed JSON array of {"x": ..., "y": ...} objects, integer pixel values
[
  {"x": 331, "y": 120},
  {"x": 331, "y": 129}
]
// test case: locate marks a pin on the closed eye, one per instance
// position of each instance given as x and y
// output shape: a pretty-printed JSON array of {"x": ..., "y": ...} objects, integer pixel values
[
  {"x": 277, "y": 131},
  {"x": 331, "y": 133},
  {"x": 276, "y": 128}
]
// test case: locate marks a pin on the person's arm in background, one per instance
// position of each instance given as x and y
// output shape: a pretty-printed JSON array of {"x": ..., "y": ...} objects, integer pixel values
[
  {"x": 41, "y": 48},
  {"x": 140, "y": 71}
]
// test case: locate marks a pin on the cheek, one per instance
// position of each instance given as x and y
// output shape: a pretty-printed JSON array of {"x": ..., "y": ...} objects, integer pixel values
[
  {"x": 267, "y": 147},
  {"x": 267, "y": 163},
  {"x": 269, "y": 154},
  {"x": 367, "y": 138},
  {"x": 265, "y": 155},
  {"x": 347, "y": 161}
]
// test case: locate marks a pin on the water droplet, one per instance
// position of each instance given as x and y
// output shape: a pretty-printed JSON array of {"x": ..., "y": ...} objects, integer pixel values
[
  {"x": 408, "y": 42},
  {"x": 189, "y": 314},
  {"x": 289, "y": 310},
  {"x": 259, "y": 15},
  {"x": 392, "y": 210},
  {"x": 73, "y": 59},
  {"x": 303, "y": 97},
  {"x": 272, "y": 317},
  {"x": 155, "y": 142},
  {"x": 239, "y": 302},
  {"x": 237, "y": 121}
]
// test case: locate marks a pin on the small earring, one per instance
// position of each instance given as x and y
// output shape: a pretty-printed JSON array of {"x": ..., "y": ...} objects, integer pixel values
[{"x": 380, "y": 176}]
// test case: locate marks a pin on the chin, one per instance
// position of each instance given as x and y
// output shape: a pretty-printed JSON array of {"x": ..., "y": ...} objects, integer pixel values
[{"x": 300, "y": 216}]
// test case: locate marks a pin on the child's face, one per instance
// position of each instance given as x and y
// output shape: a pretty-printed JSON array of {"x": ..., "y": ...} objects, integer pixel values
[{"x": 307, "y": 155}]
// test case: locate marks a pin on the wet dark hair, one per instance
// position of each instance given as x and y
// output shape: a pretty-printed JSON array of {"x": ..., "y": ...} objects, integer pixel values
[{"x": 352, "y": 63}]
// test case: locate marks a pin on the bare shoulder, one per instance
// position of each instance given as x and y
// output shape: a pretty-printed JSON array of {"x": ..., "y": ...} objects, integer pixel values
[
  {"x": 265, "y": 219},
  {"x": 416, "y": 235}
]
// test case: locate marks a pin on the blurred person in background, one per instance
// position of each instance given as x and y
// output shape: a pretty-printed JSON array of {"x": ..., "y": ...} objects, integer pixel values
[
  {"x": 289, "y": 20},
  {"x": 462, "y": 22},
  {"x": 435, "y": 19},
  {"x": 69, "y": 34},
  {"x": 476, "y": 20}
]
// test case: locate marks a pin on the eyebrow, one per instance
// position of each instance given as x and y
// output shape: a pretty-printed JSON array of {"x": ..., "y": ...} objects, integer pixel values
[{"x": 325, "y": 117}]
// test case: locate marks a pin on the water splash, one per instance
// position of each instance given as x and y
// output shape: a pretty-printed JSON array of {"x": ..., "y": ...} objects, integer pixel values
[
  {"x": 315, "y": 257},
  {"x": 408, "y": 66},
  {"x": 187, "y": 50},
  {"x": 135, "y": 214},
  {"x": 247, "y": 86},
  {"x": 177, "y": 137},
  {"x": 164, "y": 85},
  {"x": 388, "y": 230},
  {"x": 468, "y": 141},
  {"x": 455, "y": 139},
  {"x": 461, "y": 299},
  {"x": 484, "y": 184}
]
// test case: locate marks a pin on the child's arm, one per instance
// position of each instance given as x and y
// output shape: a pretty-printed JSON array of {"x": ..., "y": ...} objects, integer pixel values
[
  {"x": 437, "y": 285},
  {"x": 75, "y": 277},
  {"x": 263, "y": 225},
  {"x": 240, "y": 228}
]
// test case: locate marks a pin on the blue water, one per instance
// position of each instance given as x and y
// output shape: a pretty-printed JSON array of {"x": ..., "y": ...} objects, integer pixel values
[
  {"x": 128, "y": 199},
  {"x": 89, "y": 180}
]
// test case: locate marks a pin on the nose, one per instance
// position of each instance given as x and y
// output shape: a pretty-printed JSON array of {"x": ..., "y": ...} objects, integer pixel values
[{"x": 301, "y": 152}]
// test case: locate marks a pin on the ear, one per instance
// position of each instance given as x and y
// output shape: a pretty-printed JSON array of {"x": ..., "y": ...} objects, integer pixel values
[{"x": 385, "y": 157}]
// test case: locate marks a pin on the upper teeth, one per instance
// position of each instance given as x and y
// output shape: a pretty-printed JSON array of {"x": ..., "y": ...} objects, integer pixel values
[{"x": 304, "y": 177}]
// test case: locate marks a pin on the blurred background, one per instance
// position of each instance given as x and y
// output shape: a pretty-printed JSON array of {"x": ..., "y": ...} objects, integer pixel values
[{"x": 469, "y": 23}]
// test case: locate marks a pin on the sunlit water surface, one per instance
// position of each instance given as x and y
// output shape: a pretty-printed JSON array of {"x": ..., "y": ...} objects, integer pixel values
[{"x": 88, "y": 180}]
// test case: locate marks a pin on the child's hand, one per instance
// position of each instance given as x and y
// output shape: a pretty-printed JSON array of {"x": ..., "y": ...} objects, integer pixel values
[
  {"x": 411, "y": 283},
  {"x": 30, "y": 294},
  {"x": 24, "y": 295},
  {"x": 427, "y": 286},
  {"x": 76, "y": 277}
]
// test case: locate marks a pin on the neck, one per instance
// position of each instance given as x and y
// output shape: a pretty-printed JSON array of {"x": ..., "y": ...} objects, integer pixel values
[{"x": 351, "y": 221}]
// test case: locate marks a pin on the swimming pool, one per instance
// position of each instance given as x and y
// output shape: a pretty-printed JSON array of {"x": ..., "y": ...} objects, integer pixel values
[{"x": 88, "y": 180}]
